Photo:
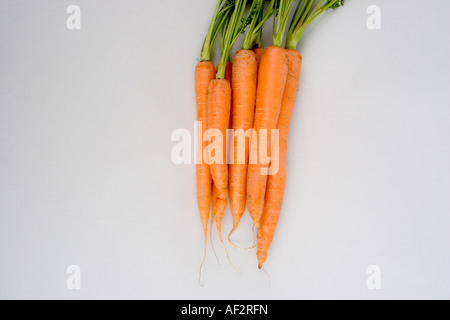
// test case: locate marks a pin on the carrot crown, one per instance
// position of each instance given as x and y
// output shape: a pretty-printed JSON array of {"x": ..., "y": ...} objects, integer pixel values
[
  {"x": 305, "y": 13},
  {"x": 280, "y": 21},
  {"x": 258, "y": 18}
]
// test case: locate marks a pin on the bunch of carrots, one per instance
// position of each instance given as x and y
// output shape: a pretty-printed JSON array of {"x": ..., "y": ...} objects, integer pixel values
[{"x": 254, "y": 95}]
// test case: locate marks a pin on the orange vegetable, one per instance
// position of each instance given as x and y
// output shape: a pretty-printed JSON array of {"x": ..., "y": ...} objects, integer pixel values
[
  {"x": 271, "y": 82},
  {"x": 243, "y": 110},
  {"x": 204, "y": 74},
  {"x": 276, "y": 183},
  {"x": 219, "y": 104}
]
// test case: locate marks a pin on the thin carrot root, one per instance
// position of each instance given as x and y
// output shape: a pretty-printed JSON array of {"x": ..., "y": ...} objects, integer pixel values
[
  {"x": 254, "y": 237},
  {"x": 251, "y": 246},
  {"x": 203, "y": 261},
  {"x": 228, "y": 256},
  {"x": 268, "y": 276},
  {"x": 232, "y": 243},
  {"x": 212, "y": 243}
]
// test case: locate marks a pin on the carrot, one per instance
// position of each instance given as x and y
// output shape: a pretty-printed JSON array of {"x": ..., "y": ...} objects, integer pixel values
[
  {"x": 243, "y": 110},
  {"x": 303, "y": 16},
  {"x": 219, "y": 106},
  {"x": 271, "y": 81},
  {"x": 244, "y": 76},
  {"x": 204, "y": 74},
  {"x": 276, "y": 183}
]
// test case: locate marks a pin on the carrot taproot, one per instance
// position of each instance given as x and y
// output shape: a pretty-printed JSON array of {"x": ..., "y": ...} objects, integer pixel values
[
  {"x": 244, "y": 84},
  {"x": 276, "y": 182},
  {"x": 204, "y": 74},
  {"x": 304, "y": 14},
  {"x": 271, "y": 81},
  {"x": 243, "y": 110},
  {"x": 219, "y": 107},
  {"x": 272, "y": 75},
  {"x": 219, "y": 104}
]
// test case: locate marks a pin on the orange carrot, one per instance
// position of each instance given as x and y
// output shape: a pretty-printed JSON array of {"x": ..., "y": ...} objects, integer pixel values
[
  {"x": 272, "y": 75},
  {"x": 219, "y": 104},
  {"x": 243, "y": 110},
  {"x": 276, "y": 183},
  {"x": 204, "y": 74},
  {"x": 304, "y": 14},
  {"x": 271, "y": 81},
  {"x": 244, "y": 84}
]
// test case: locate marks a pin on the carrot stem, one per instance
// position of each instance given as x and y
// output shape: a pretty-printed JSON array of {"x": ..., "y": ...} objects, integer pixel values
[
  {"x": 280, "y": 22},
  {"x": 230, "y": 34},
  {"x": 217, "y": 22},
  {"x": 306, "y": 13},
  {"x": 258, "y": 18}
]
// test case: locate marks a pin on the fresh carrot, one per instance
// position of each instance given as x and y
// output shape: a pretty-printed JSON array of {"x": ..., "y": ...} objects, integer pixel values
[
  {"x": 219, "y": 105},
  {"x": 204, "y": 74},
  {"x": 219, "y": 102},
  {"x": 243, "y": 109},
  {"x": 304, "y": 15},
  {"x": 271, "y": 81},
  {"x": 276, "y": 183}
]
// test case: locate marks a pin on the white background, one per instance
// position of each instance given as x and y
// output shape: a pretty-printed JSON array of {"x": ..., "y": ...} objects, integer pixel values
[{"x": 86, "y": 176}]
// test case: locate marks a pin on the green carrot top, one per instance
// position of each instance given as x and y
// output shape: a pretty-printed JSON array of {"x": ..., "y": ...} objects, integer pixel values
[
  {"x": 219, "y": 18},
  {"x": 232, "y": 27},
  {"x": 253, "y": 35},
  {"x": 280, "y": 21},
  {"x": 305, "y": 13}
]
